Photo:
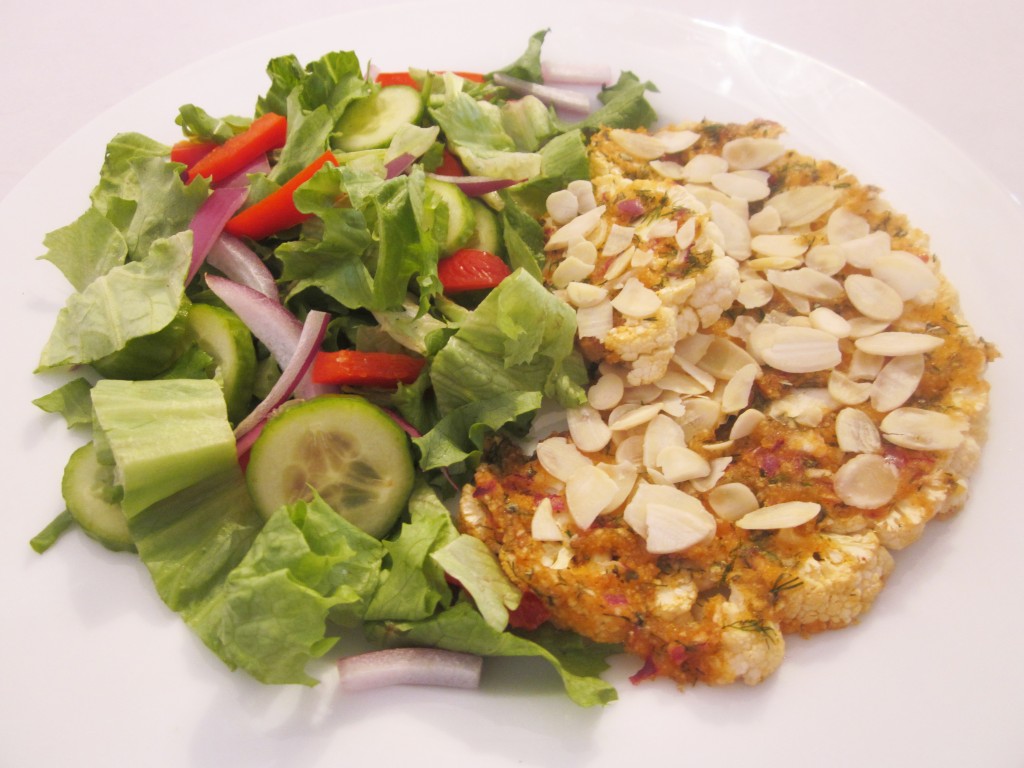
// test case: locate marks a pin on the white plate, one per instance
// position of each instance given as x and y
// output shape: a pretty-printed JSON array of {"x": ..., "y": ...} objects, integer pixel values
[{"x": 95, "y": 670}]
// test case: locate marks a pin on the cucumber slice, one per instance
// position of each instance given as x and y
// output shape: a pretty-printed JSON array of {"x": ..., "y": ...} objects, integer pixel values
[
  {"x": 88, "y": 488},
  {"x": 354, "y": 455},
  {"x": 487, "y": 234},
  {"x": 372, "y": 122},
  {"x": 461, "y": 215},
  {"x": 224, "y": 337}
]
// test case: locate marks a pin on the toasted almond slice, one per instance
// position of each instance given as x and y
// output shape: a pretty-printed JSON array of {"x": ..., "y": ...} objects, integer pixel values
[
  {"x": 736, "y": 184},
  {"x": 873, "y": 298},
  {"x": 701, "y": 168},
  {"x": 677, "y": 292},
  {"x": 898, "y": 343},
  {"x": 662, "y": 432},
  {"x": 562, "y": 206},
  {"x": 736, "y": 394},
  {"x": 619, "y": 238},
  {"x": 558, "y": 560},
  {"x": 788, "y": 514},
  {"x": 702, "y": 415},
  {"x": 543, "y": 526},
  {"x": 576, "y": 229},
  {"x": 636, "y": 300},
  {"x": 845, "y": 390},
  {"x": 630, "y": 451},
  {"x": 560, "y": 458},
  {"x": 675, "y": 529},
  {"x": 660, "y": 228},
  {"x": 773, "y": 262},
  {"x": 618, "y": 266},
  {"x": 641, "y": 258},
  {"x": 779, "y": 246},
  {"x": 741, "y": 327},
  {"x": 670, "y": 169},
  {"x": 806, "y": 282},
  {"x": 681, "y": 383},
  {"x": 802, "y": 205},
  {"x": 864, "y": 366},
  {"x": 587, "y": 491},
  {"x": 587, "y": 428},
  {"x": 765, "y": 222},
  {"x": 584, "y": 191},
  {"x": 866, "y": 481},
  {"x": 635, "y": 513},
  {"x": 642, "y": 146},
  {"x": 626, "y": 417},
  {"x": 734, "y": 230},
  {"x": 624, "y": 475},
  {"x": 794, "y": 349},
  {"x": 724, "y": 359},
  {"x": 595, "y": 321},
  {"x": 732, "y": 501},
  {"x": 861, "y": 326},
  {"x": 922, "y": 430},
  {"x": 584, "y": 294},
  {"x": 686, "y": 234},
  {"x": 584, "y": 250},
  {"x": 718, "y": 467},
  {"x": 806, "y": 407},
  {"x": 755, "y": 293},
  {"x": 607, "y": 391},
  {"x": 896, "y": 382},
  {"x": 844, "y": 225},
  {"x": 678, "y": 464},
  {"x": 698, "y": 374},
  {"x": 570, "y": 270},
  {"x": 676, "y": 141},
  {"x": 745, "y": 424},
  {"x": 671, "y": 403},
  {"x": 827, "y": 259},
  {"x": 750, "y": 152},
  {"x": 856, "y": 432},
  {"x": 910, "y": 277},
  {"x": 694, "y": 347},
  {"x": 830, "y": 321},
  {"x": 862, "y": 252}
]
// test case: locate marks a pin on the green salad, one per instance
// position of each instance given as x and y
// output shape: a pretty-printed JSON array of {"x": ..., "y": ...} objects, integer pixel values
[{"x": 290, "y": 336}]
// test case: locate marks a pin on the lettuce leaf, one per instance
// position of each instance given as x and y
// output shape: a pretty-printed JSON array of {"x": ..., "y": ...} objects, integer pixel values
[
  {"x": 86, "y": 249},
  {"x": 199, "y": 125},
  {"x": 71, "y": 400},
  {"x": 474, "y": 566}
]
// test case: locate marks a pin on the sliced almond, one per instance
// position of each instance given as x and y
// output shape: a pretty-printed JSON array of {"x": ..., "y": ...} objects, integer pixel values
[
  {"x": 678, "y": 464},
  {"x": 583, "y": 189},
  {"x": 827, "y": 259},
  {"x": 802, "y": 205},
  {"x": 587, "y": 492},
  {"x": 779, "y": 246},
  {"x": 627, "y": 417},
  {"x": 734, "y": 229},
  {"x": 844, "y": 225},
  {"x": 618, "y": 266},
  {"x": 910, "y": 277},
  {"x": 745, "y": 424},
  {"x": 718, "y": 467},
  {"x": 741, "y": 186},
  {"x": 635, "y": 513},
  {"x": 830, "y": 321},
  {"x": 847, "y": 391},
  {"x": 624, "y": 475},
  {"x": 576, "y": 229},
  {"x": 861, "y": 326},
  {"x": 686, "y": 234},
  {"x": 762, "y": 263},
  {"x": 675, "y": 529},
  {"x": 788, "y": 514},
  {"x": 570, "y": 270},
  {"x": 806, "y": 282},
  {"x": 898, "y": 343},
  {"x": 864, "y": 366},
  {"x": 732, "y": 501},
  {"x": 681, "y": 383},
  {"x": 922, "y": 430},
  {"x": 676, "y": 140},
  {"x": 587, "y": 428},
  {"x": 723, "y": 359},
  {"x": 636, "y": 300},
  {"x": 755, "y": 293},
  {"x": 607, "y": 391},
  {"x": 873, "y": 298},
  {"x": 619, "y": 238},
  {"x": 585, "y": 294},
  {"x": 794, "y": 349},
  {"x": 670, "y": 169},
  {"x": 702, "y": 414},
  {"x": 736, "y": 394},
  {"x": 595, "y": 320},
  {"x": 765, "y": 222},
  {"x": 560, "y": 458},
  {"x": 562, "y": 206},
  {"x": 660, "y": 229},
  {"x": 584, "y": 250},
  {"x": 543, "y": 526},
  {"x": 896, "y": 382},
  {"x": 662, "y": 432},
  {"x": 806, "y": 407},
  {"x": 630, "y": 451},
  {"x": 701, "y": 168},
  {"x": 856, "y": 432},
  {"x": 862, "y": 252},
  {"x": 866, "y": 481},
  {"x": 698, "y": 374},
  {"x": 642, "y": 146},
  {"x": 749, "y": 152}
]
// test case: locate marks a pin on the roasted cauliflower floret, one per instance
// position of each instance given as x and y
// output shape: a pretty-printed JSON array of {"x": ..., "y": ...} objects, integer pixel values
[
  {"x": 647, "y": 344},
  {"x": 833, "y": 583},
  {"x": 751, "y": 647},
  {"x": 718, "y": 285}
]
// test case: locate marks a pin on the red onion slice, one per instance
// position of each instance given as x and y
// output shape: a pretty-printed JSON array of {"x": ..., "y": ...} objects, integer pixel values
[
  {"x": 307, "y": 346},
  {"x": 209, "y": 221},
  {"x": 241, "y": 264},
  {"x": 474, "y": 186},
  {"x": 241, "y": 178},
  {"x": 557, "y": 97},
  {"x": 575, "y": 74},
  {"x": 409, "y": 666},
  {"x": 268, "y": 320},
  {"x": 399, "y": 165}
]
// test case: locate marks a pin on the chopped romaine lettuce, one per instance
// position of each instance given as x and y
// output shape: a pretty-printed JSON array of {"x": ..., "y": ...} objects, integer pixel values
[{"x": 72, "y": 400}]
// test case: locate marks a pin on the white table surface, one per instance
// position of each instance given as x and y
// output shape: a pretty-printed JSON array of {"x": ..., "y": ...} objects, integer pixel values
[{"x": 956, "y": 64}]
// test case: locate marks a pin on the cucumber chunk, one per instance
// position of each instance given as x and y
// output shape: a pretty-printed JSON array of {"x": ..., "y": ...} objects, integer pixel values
[
  {"x": 88, "y": 488},
  {"x": 461, "y": 214},
  {"x": 372, "y": 122},
  {"x": 487, "y": 234},
  {"x": 224, "y": 337},
  {"x": 347, "y": 449}
]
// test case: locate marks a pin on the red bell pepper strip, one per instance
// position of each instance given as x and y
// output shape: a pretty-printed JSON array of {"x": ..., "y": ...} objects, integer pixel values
[
  {"x": 531, "y": 613},
  {"x": 277, "y": 210},
  {"x": 350, "y": 367},
  {"x": 265, "y": 133},
  {"x": 385, "y": 79},
  {"x": 450, "y": 165},
  {"x": 469, "y": 269},
  {"x": 189, "y": 152}
]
